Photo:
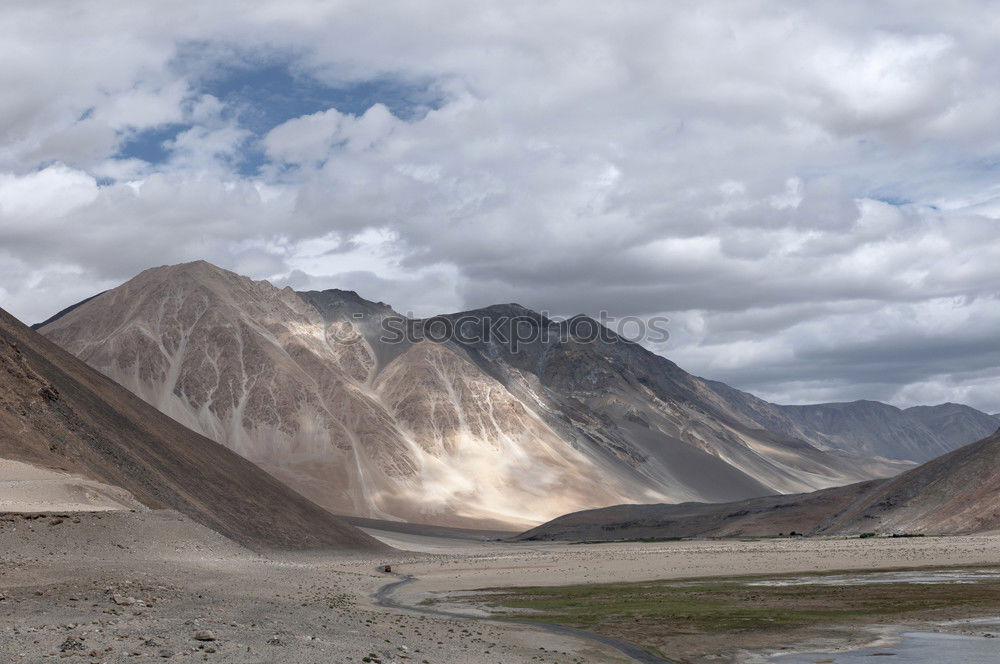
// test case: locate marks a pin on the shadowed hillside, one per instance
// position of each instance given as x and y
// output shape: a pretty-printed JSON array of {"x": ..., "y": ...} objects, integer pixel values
[
  {"x": 57, "y": 412},
  {"x": 956, "y": 493}
]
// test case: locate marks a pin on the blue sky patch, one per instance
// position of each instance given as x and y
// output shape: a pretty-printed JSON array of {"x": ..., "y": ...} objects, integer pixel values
[
  {"x": 150, "y": 144},
  {"x": 260, "y": 94}
]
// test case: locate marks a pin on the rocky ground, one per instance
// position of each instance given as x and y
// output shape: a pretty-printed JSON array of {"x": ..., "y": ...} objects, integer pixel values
[
  {"x": 124, "y": 586},
  {"x": 117, "y": 587}
]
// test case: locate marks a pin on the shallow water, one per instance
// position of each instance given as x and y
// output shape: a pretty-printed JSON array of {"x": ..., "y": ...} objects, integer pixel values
[
  {"x": 917, "y": 577},
  {"x": 913, "y": 648}
]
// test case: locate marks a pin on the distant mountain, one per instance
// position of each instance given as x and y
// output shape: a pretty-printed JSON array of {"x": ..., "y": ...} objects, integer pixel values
[
  {"x": 463, "y": 431},
  {"x": 58, "y": 413},
  {"x": 955, "y": 424},
  {"x": 869, "y": 427},
  {"x": 956, "y": 493}
]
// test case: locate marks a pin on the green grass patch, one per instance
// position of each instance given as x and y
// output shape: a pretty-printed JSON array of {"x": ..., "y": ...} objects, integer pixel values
[{"x": 724, "y": 606}]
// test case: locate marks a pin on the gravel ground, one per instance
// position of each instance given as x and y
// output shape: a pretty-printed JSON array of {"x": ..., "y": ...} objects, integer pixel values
[{"x": 123, "y": 586}]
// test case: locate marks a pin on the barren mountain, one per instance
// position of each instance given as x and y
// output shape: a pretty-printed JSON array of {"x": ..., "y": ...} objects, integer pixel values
[
  {"x": 465, "y": 432},
  {"x": 767, "y": 516},
  {"x": 111, "y": 448},
  {"x": 955, "y": 424},
  {"x": 299, "y": 385},
  {"x": 868, "y": 427},
  {"x": 956, "y": 493},
  {"x": 644, "y": 407}
]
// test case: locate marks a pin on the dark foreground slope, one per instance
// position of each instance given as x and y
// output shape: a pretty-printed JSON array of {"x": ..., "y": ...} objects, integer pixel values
[
  {"x": 956, "y": 493},
  {"x": 57, "y": 412}
]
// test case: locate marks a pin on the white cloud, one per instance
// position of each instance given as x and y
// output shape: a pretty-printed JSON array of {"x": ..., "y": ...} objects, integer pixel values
[
  {"x": 42, "y": 195},
  {"x": 733, "y": 165},
  {"x": 304, "y": 140},
  {"x": 139, "y": 108}
]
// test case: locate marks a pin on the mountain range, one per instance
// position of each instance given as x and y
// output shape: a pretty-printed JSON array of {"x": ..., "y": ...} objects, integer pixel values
[
  {"x": 370, "y": 414},
  {"x": 957, "y": 493},
  {"x": 871, "y": 428}
]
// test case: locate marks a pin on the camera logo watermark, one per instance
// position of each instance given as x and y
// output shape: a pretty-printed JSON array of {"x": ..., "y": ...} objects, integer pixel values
[{"x": 513, "y": 332}]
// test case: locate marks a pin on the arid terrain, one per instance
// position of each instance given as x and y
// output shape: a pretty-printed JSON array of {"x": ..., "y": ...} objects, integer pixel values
[
  {"x": 121, "y": 586},
  {"x": 953, "y": 494},
  {"x": 125, "y": 535},
  {"x": 116, "y": 586},
  {"x": 511, "y": 421},
  {"x": 444, "y": 332}
]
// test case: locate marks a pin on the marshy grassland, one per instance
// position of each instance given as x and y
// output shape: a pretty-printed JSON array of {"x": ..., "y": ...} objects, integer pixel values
[{"x": 698, "y": 620}]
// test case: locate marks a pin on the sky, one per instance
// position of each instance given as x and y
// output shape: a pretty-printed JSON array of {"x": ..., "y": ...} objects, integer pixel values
[{"x": 810, "y": 192}]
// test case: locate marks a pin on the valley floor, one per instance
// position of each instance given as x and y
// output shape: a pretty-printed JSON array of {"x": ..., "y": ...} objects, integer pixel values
[{"x": 123, "y": 586}]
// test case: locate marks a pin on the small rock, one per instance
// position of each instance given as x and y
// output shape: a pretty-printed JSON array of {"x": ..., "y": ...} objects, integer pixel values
[
  {"x": 274, "y": 641},
  {"x": 72, "y": 644},
  {"x": 204, "y": 635},
  {"x": 166, "y": 653},
  {"x": 122, "y": 600}
]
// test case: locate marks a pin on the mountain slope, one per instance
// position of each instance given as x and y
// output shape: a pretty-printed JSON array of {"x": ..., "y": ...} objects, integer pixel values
[
  {"x": 868, "y": 427},
  {"x": 56, "y": 412},
  {"x": 956, "y": 493},
  {"x": 300, "y": 387},
  {"x": 458, "y": 432},
  {"x": 645, "y": 407},
  {"x": 956, "y": 424},
  {"x": 763, "y": 517}
]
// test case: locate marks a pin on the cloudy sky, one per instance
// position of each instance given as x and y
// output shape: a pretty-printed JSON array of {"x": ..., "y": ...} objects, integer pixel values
[{"x": 809, "y": 191}]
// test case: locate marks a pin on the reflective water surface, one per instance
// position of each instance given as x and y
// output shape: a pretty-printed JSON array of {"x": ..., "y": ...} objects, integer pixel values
[
  {"x": 919, "y": 577},
  {"x": 913, "y": 648}
]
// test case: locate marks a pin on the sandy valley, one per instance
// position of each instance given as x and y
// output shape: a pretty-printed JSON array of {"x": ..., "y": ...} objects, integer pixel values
[{"x": 121, "y": 586}]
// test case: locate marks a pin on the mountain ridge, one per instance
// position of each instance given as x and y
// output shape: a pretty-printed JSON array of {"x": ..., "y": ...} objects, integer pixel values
[
  {"x": 464, "y": 432},
  {"x": 868, "y": 427},
  {"x": 956, "y": 493}
]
